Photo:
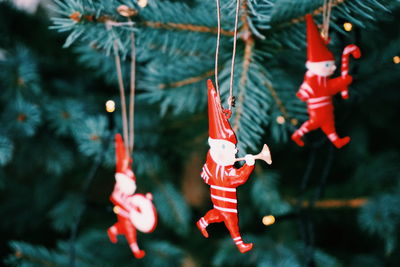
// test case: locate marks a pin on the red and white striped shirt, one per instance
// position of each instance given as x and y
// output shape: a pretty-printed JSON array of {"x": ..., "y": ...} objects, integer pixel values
[
  {"x": 223, "y": 181},
  {"x": 315, "y": 90}
]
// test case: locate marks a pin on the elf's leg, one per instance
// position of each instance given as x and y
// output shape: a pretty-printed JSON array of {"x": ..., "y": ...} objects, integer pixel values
[
  {"x": 130, "y": 235},
  {"x": 116, "y": 229},
  {"x": 305, "y": 128},
  {"x": 231, "y": 222},
  {"x": 212, "y": 216},
  {"x": 112, "y": 232},
  {"x": 329, "y": 129}
]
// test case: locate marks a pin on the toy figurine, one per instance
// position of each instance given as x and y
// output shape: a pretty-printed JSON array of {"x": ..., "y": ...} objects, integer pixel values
[
  {"x": 221, "y": 175},
  {"x": 317, "y": 88}
]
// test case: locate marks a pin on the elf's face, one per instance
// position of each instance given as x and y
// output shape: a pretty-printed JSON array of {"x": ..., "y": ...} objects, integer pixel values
[
  {"x": 125, "y": 183},
  {"x": 222, "y": 152},
  {"x": 323, "y": 68}
]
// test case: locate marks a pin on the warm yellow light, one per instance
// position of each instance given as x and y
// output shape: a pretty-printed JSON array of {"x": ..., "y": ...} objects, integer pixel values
[
  {"x": 268, "y": 220},
  {"x": 294, "y": 121},
  {"x": 396, "y": 60},
  {"x": 110, "y": 106},
  {"x": 126, "y": 11},
  {"x": 280, "y": 119},
  {"x": 347, "y": 26},
  {"x": 116, "y": 209},
  {"x": 142, "y": 3}
]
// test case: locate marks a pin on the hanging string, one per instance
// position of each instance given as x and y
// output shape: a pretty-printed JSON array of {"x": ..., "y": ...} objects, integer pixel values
[
  {"x": 128, "y": 134},
  {"x": 122, "y": 95},
  {"x": 217, "y": 48},
  {"x": 326, "y": 17},
  {"x": 231, "y": 98},
  {"x": 132, "y": 94}
]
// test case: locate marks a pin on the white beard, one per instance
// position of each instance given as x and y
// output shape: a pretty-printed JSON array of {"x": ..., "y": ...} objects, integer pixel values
[{"x": 125, "y": 183}]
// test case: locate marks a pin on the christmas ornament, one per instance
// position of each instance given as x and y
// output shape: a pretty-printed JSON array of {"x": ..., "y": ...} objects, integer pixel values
[
  {"x": 221, "y": 175},
  {"x": 317, "y": 88},
  {"x": 134, "y": 211},
  {"x": 218, "y": 171}
]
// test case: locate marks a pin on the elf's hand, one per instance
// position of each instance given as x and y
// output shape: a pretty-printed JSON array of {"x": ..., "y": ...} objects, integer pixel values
[
  {"x": 347, "y": 79},
  {"x": 250, "y": 160}
]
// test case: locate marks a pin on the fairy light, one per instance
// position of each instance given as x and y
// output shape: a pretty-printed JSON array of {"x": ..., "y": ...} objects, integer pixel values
[
  {"x": 280, "y": 120},
  {"x": 347, "y": 26},
  {"x": 396, "y": 59},
  {"x": 268, "y": 220},
  {"x": 142, "y": 3},
  {"x": 110, "y": 106},
  {"x": 126, "y": 11}
]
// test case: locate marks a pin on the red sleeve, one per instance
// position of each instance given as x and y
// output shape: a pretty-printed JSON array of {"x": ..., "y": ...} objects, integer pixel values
[
  {"x": 239, "y": 176},
  {"x": 339, "y": 84},
  {"x": 305, "y": 91}
]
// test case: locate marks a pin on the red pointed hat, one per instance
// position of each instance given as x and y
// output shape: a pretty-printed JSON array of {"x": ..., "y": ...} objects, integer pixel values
[
  {"x": 316, "y": 48},
  {"x": 123, "y": 161},
  {"x": 218, "y": 124}
]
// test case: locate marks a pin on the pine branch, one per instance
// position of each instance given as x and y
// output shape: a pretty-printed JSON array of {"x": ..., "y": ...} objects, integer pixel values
[
  {"x": 333, "y": 203},
  {"x": 30, "y": 258},
  {"x": 79, "y": 18},
  {"x": 188, "y": 81},
  {"x": 185, "y": 27},
  {"x": 315, "y": 12}
]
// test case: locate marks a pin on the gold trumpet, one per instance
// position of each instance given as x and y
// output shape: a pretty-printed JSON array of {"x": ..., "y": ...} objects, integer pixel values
[{"x": 265, "y": 155}]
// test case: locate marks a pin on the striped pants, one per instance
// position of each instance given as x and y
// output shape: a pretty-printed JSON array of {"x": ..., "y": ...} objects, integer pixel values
[
  {"x": 125, "y": 227},
  {"x": 322, "y": 118},
  {"x": 229, "y": 218}
]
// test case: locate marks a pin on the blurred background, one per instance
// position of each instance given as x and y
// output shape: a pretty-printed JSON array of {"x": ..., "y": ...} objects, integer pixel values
[{"x": 314, "y": 206}]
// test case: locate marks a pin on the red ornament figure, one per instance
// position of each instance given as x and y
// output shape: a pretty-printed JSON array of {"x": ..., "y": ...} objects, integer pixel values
[
  {"x": 134, "y": 211},
  {"x": 317, "y": 89},
  {"x": 219, "y": 173}
]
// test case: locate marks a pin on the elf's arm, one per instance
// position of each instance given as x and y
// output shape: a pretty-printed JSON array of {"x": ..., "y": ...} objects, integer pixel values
[
  {"x": 304, "y": 92},
  {"x": 236, "y": 177},
  {"x": 337, "y": 84}
]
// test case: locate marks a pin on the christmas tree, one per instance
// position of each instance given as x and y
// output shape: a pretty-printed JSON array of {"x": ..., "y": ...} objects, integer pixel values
[{"x": 314, "y": 206}]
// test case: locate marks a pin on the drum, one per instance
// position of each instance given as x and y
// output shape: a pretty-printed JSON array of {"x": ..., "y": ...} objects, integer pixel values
[{"x": 142, "y": 212}]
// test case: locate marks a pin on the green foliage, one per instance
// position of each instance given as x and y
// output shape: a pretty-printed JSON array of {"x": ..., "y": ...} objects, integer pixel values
[
  {"x": 381, "y": 216},
  {"x": 172, "y": 208},
  {"x": 162, "y": 253},
  {"x": 91, "y": 134},
  {"x": 23, "y": 118},
  {"x": 64, "y": 115},
  {"x": 19, "y": 76},
  {"x": 55, "y": 133},
  {"x": 6, "y": 150},
  {"x": 366, "y": 260},
  {"x": 28, "y": 255},
  {"x": 266, "y": 197},
  {"x": 381, "y": 171},
  {"x": 72, "y": 205},
  {"x": 267, "y": 252}
]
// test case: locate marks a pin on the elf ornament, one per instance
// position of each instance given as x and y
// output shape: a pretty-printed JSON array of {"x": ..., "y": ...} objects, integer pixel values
[
  {"x": 134, "y": 211},
  {"x": 317, "y": 88},
  {"x": 221, "y": 175}
]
